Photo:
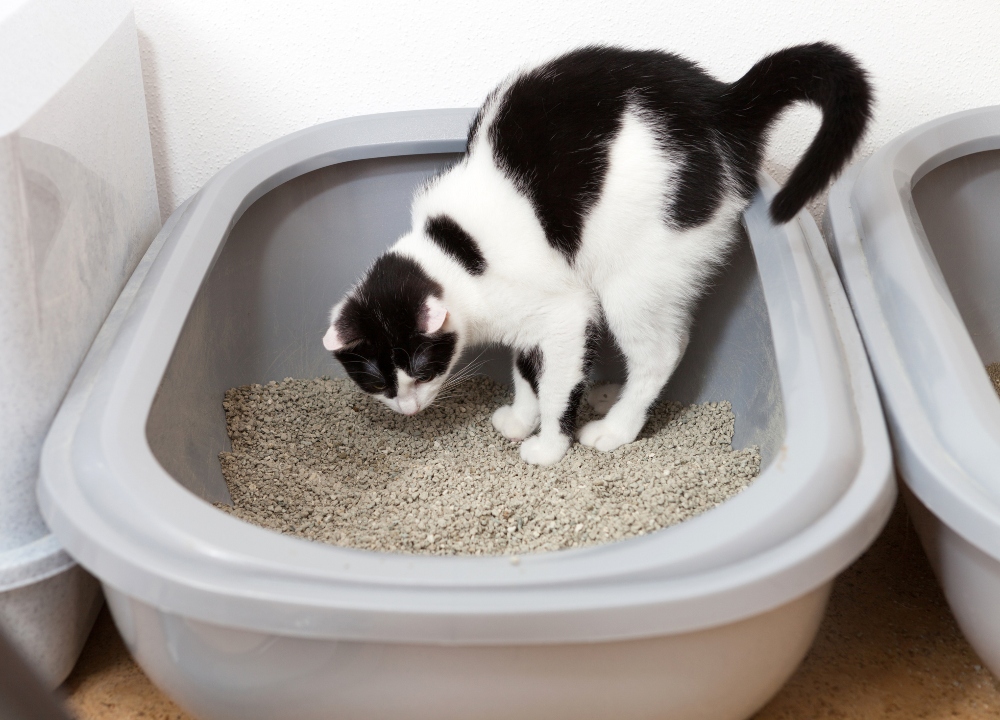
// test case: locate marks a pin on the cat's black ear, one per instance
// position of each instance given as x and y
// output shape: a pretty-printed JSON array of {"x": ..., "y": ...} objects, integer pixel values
[{"x": 432, "y": 315}]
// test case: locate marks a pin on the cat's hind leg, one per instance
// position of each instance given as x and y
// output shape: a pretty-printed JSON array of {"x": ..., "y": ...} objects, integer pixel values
[
  {"x": 519, "y": 419},
  {"x": 652, "y": 346}
]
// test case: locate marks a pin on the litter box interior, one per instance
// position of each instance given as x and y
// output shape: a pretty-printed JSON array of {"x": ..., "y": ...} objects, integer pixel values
[
  {"x": 261, "y": 314},
  {"x": 957, "y": 206}
]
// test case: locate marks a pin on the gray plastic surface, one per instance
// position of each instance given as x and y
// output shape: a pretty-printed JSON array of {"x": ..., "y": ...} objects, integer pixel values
[
  {"x": 78, "y": 209},
  {"x": 915, "y": 235},
  {"x": 236, "y": 289},
  {"x": 49, "y": 620},
  {"x": 23, "y": 695},
  {"x": 222, "y": 673}
]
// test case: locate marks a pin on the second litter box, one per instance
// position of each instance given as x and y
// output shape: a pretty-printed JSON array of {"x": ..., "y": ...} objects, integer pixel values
[
  {"x": 915, "y": 230},
  {"x": 705, "y": 619}
]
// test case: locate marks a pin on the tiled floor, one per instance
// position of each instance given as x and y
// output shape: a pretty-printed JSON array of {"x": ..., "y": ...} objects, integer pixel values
[{"x": 889, "y": 648}]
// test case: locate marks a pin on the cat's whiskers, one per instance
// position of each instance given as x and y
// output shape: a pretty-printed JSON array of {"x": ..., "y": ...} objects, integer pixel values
[
  {"x": 452, "y": 382},
  {"x": 470, "y": 369}
]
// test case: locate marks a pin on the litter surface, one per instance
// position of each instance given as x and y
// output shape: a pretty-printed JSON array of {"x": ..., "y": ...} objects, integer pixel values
[
  {"x": 994, "y": 372},
  {"x": 320, "y": 460}
]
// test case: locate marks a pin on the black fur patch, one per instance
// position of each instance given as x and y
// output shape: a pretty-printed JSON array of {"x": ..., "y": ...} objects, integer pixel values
[
  {"x": 450, "y": 237},
  {"x": 554, "y": 126},
  {"x": 592, "y": 346},
  {"x": 380, "y": 323},
  {"x": 529, "y": 365},
  {"x": 567, "y": 423}
]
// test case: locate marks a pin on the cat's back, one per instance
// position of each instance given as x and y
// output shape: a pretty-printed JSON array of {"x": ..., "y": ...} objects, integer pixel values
[
  {"x": 581, "y": 95},
  {"x": 550, "y": 129}
]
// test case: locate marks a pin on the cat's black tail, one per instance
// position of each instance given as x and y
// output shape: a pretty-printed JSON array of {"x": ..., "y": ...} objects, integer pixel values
[{"x": 819, "y": 73}]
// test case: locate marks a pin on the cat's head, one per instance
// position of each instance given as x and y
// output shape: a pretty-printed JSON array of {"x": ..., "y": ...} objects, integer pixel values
[{"x": 393, "y": 334}]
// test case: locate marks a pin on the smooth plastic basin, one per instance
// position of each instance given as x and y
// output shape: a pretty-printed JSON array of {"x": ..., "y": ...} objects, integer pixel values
[
  {"x": 706, "y": 619},
  {"x": 915, "y": 230}
]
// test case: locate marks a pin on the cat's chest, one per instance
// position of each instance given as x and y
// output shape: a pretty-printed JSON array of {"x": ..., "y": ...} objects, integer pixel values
[{"x": 514, "y": 307}]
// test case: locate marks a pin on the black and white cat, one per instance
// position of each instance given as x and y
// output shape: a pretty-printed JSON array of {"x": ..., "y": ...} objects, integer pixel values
[{"x": 602, "y": 188}]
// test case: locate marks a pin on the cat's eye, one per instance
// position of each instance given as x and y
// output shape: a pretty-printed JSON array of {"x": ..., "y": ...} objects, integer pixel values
[
  {"x": 425, "y": 374},
  {"x": 378, "y": 386}
]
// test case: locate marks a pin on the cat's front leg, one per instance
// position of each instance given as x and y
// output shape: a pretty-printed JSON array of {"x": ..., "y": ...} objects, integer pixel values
[
  {"x": 519, "y": 419},
  {"x": 561, "y": 384}
]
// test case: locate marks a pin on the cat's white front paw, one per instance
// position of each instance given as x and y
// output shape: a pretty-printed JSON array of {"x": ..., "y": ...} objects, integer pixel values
[
  {"x": 604, "y": 435},
  {"x": 544, "y": 450},
  {"x": 510, "y": 425}
]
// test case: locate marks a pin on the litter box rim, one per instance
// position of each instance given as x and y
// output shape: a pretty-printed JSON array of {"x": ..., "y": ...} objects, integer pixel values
[{"x": 127, "y": 521}]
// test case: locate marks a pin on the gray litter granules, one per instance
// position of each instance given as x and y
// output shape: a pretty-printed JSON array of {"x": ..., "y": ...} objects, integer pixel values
[
  {"x": 993, "y": 370},
  {"x": 320, "y": 460}
]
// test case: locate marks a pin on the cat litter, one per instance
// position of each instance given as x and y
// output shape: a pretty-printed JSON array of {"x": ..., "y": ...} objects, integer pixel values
[
  {"x": 993, "y": 370},
  {"x": 322, "y": 461}
]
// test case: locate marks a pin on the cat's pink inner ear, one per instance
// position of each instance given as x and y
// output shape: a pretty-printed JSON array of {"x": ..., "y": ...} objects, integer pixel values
[
  {"x": 435, "y": 314},
  {"x": 332, "y": 341}
]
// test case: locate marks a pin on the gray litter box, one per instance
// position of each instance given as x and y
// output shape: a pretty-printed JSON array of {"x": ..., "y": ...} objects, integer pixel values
[
  {"x": 916, "y": 231},
  {"x": 706, "y": 619},
  {"x": 78, "y": 209}
]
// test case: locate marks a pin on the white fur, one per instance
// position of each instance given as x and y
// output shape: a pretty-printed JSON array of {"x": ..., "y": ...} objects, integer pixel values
[
  {"x": 519, "y": 420},
  {"x": 632, "y": 267}
]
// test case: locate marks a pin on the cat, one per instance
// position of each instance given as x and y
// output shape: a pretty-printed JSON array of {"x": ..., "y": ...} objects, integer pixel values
[{"x": 599, "y": 190}]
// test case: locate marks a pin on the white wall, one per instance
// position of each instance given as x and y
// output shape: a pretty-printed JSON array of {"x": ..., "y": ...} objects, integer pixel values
[{"x": 225, "y": 76}]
